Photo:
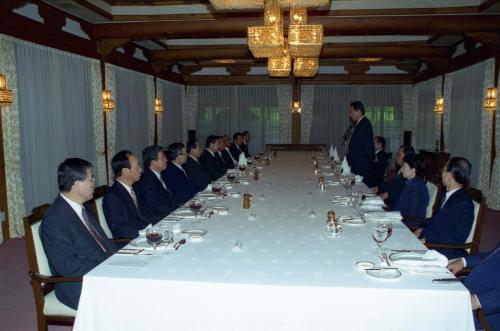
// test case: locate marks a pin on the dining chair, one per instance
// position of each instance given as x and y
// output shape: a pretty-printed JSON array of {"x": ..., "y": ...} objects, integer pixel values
[{"x": 99, "y": 193}]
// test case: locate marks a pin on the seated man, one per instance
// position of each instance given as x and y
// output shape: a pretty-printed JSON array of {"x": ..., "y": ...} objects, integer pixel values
[
  {"x": 380, "y": 166},
  {"x": 175, "y": 176},
  {"x": 452, "y": 223},
  {"x": 415, "y": 197},
  {"x": 156, "y": 201},
  {"x": 120, "y": 204},
  {"x": 235, "y": 148},
  {"x": 483, "y": 283},
  {"x": 71, "y": 236},
  {"x": 195, "y": 171},
  {"x": 210, "y": 161},
  {"x": 390, "y": 192},
  {"x": 226, "y": 153}
]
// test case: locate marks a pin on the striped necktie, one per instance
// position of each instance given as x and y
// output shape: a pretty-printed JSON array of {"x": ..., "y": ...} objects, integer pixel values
[{"x": 90, "y": 227}]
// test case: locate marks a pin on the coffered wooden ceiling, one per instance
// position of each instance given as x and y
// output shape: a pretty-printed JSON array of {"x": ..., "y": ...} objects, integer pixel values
[{"x": 404, "y": 41}]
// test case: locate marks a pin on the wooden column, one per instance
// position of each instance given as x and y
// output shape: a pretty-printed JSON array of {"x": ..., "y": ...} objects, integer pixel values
[
  {"x": 296, "y": 117},
  {"x": 441, "y": 117},
  {"x": 3, "y": 186},
  {"x": 155, "y": 139},
  {"x": 105, "y": 120},
  {"x": 493, "y": 128}
]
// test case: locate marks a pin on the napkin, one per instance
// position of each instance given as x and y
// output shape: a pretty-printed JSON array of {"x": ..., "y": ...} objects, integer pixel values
[
  {"x": 390, "y": 216},
  {"x": 430, "y": 258},
  {"x": 346, "y": 169},
  {"x": 243, "y": 160},
  {"x": 373, "y": 202},
  {"x": 332, "y": 152},
  {"x": 358, "y": 179},
  {"x": 336, "y": 155}
]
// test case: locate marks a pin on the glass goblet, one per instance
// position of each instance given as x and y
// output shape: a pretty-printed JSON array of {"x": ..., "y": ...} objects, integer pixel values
[{"x": 154, "y": 236}]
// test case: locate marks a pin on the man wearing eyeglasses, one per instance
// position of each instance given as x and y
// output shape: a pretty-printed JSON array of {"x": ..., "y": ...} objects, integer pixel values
[{"x": 71, "y": 236}]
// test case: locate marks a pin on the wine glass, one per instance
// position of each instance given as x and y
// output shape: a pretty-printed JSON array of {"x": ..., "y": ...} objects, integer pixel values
[
  {"x": 380, "y": 234},
  {"x": 389, "y": 228},
  {"x": 154, "y": 236},
  {"x": 195, "y": 206},
  {"x": 217, "y": 188},
  {"x": 231, "y": 177},
  {"x": 168, "y": 235}
]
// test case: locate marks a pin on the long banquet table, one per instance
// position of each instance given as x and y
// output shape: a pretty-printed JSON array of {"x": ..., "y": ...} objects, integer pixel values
[{"x": 289, "y": 274}]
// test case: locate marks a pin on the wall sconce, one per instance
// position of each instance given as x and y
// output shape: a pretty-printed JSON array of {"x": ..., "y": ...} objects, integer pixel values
[
  {"x": 108, "y": 104},
  {"x": 296, "y": 107},
  {"x": 158, "y": 106},
  {"x": 490, "y": 102},
  {"x": 5, "y": 94},
  {"x": 439, "y": 107}
]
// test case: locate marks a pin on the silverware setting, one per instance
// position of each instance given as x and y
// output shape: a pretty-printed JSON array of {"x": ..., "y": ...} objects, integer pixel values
[{"x": 179, "y": 243}]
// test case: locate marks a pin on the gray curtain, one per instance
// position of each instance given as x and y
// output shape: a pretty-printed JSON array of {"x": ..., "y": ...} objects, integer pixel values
[
  {"x": 383, "y": 106},
  {"x": 465, "y": 115},
  {"x": 132, "y": 129},
  {"x": 55, "y": 106},
  {"x": 424, "y": 135},
  {"x": 172, "y": 115}
]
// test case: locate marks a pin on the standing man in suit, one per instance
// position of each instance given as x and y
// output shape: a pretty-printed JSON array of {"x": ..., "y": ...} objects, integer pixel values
[
  {"x": 246, "y": 140},
  {"x": 235, "y": 148},
  {"x": 71, "y": 236},
  {"x": 195, "y": 171},
  {"x": 381, "y": 160},
  {"x": 175, "y": 176},
  {"x": 156, "y": 201},
  {"x": 452, "y": 223},
  {"x": 361, "y": 153},
  {"x": 121, "y": 204},
  {"x": 483, "y": 283},
  {"x": 228, "y": 158},
  {"x": 212, "y": 164}
]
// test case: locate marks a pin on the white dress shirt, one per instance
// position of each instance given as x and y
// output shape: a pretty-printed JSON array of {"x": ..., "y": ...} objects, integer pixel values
[{"x": 75, "y": 206}]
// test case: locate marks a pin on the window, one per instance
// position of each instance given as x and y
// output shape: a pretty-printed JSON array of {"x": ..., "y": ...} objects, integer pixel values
[{"x": 386, "y": 122}]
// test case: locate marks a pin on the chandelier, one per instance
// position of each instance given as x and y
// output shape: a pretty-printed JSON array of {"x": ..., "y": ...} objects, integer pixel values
[
  {"x": 5, "y": 94},
  {"x": 259, "y": 4},
  {"x": 108, "y": 104},
  {"x": 490, "y": 102},
  {"x": 304, "y": 40}
]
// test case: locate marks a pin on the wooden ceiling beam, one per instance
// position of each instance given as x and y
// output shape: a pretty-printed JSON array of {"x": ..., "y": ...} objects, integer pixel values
[
  {"x": 332, "y": 26},
  {"x": 329, "y": 51}
]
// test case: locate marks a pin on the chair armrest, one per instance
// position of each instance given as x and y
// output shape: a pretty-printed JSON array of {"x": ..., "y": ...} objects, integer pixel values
[
  {"x": 119, "y": 241},
  {"x": 455, "y": 246},
  {"x": 53, "y": 279}
]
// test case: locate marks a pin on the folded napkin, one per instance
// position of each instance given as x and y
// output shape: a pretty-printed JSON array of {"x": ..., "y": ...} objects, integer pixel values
[
  {"x": 358, "y": 179},
  {"x": 373, "y": 202},
  {"x": 379, "y": 216},
  {"x": 346, "y": 169},
  {"x": 243, "y": 160},
  {"x": 336, "y": 157},
  {"x": 430, "y": 258},
  {"x": 332, "y": 155}
]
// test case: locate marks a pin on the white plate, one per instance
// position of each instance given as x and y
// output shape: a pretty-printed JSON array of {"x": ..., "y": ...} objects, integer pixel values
[
  {"x": 142, "y": 242},
  {"x": 352, "y": 220},
  {"x": 384, "y": 273},
  {"x": 220, "y": 210},
  {"x": 244, "y": 182},
  {"x": 195, "y": 232}
]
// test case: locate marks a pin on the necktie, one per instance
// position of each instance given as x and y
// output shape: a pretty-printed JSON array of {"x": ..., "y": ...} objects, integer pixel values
[
  {"x": 163, "y": 183},
  {"x": 134, "y": 197},
  {"x": 93, "y": 231}
]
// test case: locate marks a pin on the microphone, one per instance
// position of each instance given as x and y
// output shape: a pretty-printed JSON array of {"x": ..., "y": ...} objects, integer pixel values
[{"x": 348, "y": 132}]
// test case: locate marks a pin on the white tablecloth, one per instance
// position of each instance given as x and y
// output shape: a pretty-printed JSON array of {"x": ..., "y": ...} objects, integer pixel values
[{"x": 289, "y": 275}]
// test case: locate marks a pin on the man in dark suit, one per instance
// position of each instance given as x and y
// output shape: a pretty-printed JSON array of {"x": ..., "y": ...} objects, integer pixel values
[
  {"x": 212, "y": 164},
  {"x": 228, "y": 158},
  {"x": 380, "y": 164},
  {"x": 246, "y": 140},
  {"x": 452, "y": 223},
  {"x": 195, "y": 171},
  {"x": 361, "y": 153},
  {"x": 235, "y": 148},
  {"x": 483, "y": 283},
  {"x": 121, "y": 204},
  {"x": 71, "y": 236},
  {"x": 155, "y": 199},
  {"x": 390, "y": 192},
  {"x": 175, "y": 176}
]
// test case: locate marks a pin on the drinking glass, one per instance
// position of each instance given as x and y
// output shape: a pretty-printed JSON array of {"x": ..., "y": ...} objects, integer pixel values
[
  {"x": 380, "y": 234},
  {"x": 216, "y": 188},
  {"x": 168, "y": 235},
  {"x": 195, "y": 206},
  {"x": 154, "y": 236}
]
